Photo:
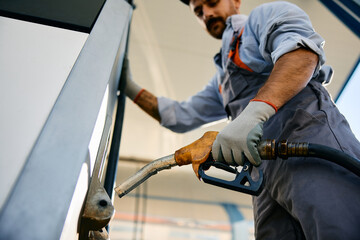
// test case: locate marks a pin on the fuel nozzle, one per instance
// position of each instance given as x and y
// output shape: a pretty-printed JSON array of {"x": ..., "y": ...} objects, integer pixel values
[{"x": 270, "y": 149}]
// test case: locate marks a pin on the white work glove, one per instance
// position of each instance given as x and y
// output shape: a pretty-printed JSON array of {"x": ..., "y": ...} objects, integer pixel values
[
  {"x": 132, "y": 89},
  {"x": 242, "y": 136}
]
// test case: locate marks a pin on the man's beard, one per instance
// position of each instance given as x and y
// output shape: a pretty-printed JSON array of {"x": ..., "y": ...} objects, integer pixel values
[{"x": 216, "y": 31}]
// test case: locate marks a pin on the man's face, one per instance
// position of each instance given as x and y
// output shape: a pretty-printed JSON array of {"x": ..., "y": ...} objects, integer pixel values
[{"x": 212, "y": 14}]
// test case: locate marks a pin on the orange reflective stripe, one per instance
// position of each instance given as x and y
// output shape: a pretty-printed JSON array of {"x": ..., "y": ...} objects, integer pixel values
[
  {"x": 235, "y": 55},
  {"x": 220, "y": 88}
]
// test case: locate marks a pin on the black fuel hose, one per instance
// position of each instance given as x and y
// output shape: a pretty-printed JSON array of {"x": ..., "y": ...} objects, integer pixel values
[
  {"x": 271, "y": 150},
  {"x": 335, "y": 156}
]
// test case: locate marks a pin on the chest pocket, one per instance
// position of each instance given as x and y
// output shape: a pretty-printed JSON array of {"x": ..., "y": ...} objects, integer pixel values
[{"x": 240, "y": 83}]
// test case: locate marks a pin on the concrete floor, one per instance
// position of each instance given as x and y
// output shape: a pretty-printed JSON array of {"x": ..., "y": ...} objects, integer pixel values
[{"x": 175, "y": 205}]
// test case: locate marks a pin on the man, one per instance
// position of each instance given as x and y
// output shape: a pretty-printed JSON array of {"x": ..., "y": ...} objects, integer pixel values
[{"x": 269, "y": 81}]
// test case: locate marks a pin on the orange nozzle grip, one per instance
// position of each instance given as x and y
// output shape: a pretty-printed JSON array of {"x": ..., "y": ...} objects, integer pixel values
[{"x": 197, "y": 152}]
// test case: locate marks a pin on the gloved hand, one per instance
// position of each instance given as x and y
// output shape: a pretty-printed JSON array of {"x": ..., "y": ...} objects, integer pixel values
[
  {"x": 242, "y": 135},
  {"x": 132, "y": 89}
]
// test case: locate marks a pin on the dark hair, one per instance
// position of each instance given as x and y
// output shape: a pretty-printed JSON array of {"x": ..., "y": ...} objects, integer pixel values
[{"x": 185, "y": 1}]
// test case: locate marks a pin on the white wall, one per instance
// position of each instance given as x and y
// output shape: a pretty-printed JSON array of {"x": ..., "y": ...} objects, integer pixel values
[{"x": 35, "y": 62}]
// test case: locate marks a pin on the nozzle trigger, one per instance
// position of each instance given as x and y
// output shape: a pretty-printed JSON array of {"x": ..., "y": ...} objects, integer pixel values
[{"x": 243, "y": 181}]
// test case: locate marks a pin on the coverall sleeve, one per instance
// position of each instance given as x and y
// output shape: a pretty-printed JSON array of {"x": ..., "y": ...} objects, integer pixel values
[
  {"x": 204, "y": 107},
  {"x": 282, "y": 27}
]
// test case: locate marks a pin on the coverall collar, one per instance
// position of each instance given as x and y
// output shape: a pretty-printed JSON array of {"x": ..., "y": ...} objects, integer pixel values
[{"x": 237, "y": 21}]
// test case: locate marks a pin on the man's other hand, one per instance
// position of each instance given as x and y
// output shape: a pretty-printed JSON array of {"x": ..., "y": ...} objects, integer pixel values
[{"x": 132, "y": 89}]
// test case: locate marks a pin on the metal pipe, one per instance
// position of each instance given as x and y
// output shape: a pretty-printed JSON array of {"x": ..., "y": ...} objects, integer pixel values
[
  {"x": 115, "y": 146},
  {"x": 113, "y": 160}
]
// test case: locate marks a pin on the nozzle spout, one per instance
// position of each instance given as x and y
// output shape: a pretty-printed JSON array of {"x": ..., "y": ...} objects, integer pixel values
[{"x": 144, "y": 173}]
